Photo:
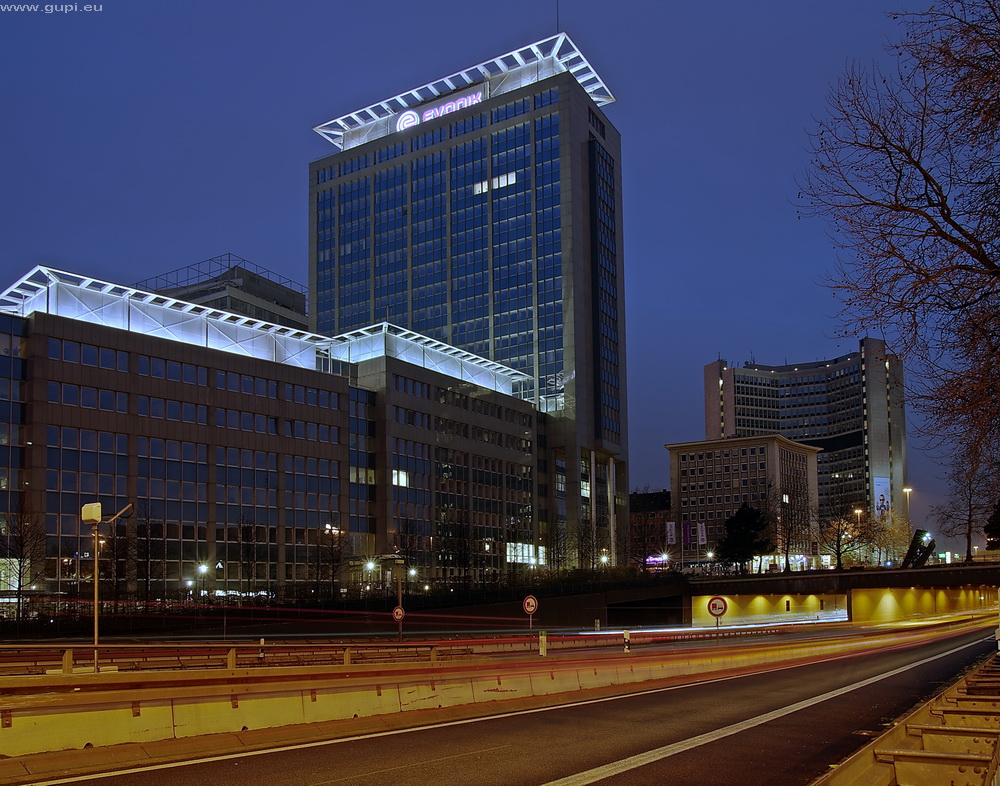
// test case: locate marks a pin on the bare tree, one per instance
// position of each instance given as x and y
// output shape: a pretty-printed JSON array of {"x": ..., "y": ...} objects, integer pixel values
[
  {"x": 333, "y": 548},
  {"x": 252, "y": 549},
  {"x": 117, "y": 559},
  {"x": 841, "y": 536},
  {"x": 844, "y": 529},
  {"x": 22, "y": 549},
  {"x": 150, "y": 549},
  {"x": 556, "y": 542},
  {"x": 905, "y": 168},
  {"x": 972, "y": 495},
  {"x": 890, "y": 538}
]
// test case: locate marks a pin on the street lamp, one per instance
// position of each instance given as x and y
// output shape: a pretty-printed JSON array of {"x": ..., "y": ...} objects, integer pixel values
[
  {"x": 907, "y": 491},
  {"x": 858, "y": 512},
  {"x": 91, "y": 514},
  {"x": 203, "y": 569}
]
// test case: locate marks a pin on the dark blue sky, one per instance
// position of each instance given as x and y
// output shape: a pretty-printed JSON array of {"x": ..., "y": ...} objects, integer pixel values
[{"x": 152, "y": 135}]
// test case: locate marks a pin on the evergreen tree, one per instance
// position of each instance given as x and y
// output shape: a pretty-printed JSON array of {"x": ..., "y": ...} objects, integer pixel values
[{"x": 746, "y": 537}]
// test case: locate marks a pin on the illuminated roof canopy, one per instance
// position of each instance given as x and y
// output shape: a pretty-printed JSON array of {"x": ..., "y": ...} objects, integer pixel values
[
  {"x": 73, "y": 296},
  {"x": 559, "y": 48}
]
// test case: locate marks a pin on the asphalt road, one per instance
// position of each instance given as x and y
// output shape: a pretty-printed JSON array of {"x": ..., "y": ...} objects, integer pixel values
[{"x": 778, "y": 727}]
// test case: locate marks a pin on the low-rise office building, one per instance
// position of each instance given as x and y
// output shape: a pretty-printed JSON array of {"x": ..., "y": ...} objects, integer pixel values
[
  {"x": 711, "y": 479},
  {"x": 258, "y": 457}
]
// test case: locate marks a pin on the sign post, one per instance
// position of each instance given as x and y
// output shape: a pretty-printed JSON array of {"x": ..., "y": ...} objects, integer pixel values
[
  {"x": 530, "y": 606},
  {"x": 717, "y": 607},
  {"x": 397, "y": 614}
]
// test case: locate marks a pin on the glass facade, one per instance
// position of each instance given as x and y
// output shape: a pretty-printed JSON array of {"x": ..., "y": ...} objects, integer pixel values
[
  {"x": 461, "y": 243},
  {"x": 496, "y": 229}
]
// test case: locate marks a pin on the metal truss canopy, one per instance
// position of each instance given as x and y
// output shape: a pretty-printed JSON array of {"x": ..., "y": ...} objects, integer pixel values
[
  {"x": 388, "y": 340},
  {"x": 559, "y": 48},
  {"x": 70, "y": 295}
]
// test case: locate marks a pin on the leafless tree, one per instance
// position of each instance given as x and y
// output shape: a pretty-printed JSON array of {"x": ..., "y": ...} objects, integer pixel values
[
  {"x": 150, "y": 549},
  {"x": 22, "y": 549},
  {"x": 905, "y": 167},
  {"x": 556, "y": 542},
  {"x": 252, "y": 549},
  {"x": 117, "y": 558},
  {"x": 333, "y": 547},
  {"x": 889, "y": 538},
  {"x": 972, "y": 493},
  {"x": 843, "y": 532}
]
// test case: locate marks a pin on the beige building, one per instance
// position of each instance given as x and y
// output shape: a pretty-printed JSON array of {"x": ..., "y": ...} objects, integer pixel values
[{"x": 711, "y": 479}]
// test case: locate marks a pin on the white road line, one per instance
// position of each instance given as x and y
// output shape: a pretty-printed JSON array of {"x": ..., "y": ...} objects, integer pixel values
[
  {"x": 514, "y": 714},
  {"x": 649, "y": 757}
]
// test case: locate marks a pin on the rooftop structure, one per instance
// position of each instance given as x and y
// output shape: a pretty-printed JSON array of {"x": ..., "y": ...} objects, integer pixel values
[
  {"x": 52, "y": 291},
  {"x": 519, "y": 67}
]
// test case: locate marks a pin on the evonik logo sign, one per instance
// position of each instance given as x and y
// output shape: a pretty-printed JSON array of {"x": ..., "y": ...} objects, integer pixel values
[{"x": 411, "y": 118}]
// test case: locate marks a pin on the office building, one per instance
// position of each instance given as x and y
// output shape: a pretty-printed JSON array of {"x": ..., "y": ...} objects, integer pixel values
[
  {"x": 231, "y": 283},
  {"x": 258, "y": 457},
  {"x": 650, "y": 515},
  {"x": 483, "y": 210},
  {"x": 851, "y": 407},
  {"x": 711, "y": 479}
]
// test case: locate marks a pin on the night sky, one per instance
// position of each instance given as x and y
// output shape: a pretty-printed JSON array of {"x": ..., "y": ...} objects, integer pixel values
[{"x": 152, "y": 135}]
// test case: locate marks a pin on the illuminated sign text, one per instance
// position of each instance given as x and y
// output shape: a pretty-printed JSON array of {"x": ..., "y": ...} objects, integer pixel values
[{"x": 411, "y": 118}]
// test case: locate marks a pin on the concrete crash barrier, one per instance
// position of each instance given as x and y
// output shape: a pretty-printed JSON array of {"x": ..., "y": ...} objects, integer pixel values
[
  {"x": 953, "y": 739},
  {"x": 71, "y": 710}
]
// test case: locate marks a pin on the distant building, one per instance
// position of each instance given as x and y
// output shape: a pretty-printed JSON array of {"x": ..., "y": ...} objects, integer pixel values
[
  {"x": 483, "y": 209},
  {"x": 649, "y": 518},
  {"x": 231, "y": 283},
  {"x": 710, "y": 480},
  {"x": 851, "y": 407}
]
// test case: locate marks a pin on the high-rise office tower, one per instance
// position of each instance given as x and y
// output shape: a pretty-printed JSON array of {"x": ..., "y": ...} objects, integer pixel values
[
  {"x": 852, "y": 407},
  {"x": 483, "y": 209}
]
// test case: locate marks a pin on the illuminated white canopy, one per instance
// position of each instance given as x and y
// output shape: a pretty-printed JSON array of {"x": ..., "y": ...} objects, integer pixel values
[
  {"x": 387, "y": 340},
  {"x": 70, "y": 295},
  {"x": 559, "y": 49}
]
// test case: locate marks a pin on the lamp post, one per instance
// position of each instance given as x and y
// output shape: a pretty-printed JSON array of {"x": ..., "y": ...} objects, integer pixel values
[
  {"x": 907, "y": 491},
  {"x": 203, "y": 570},
  {"x": 91, "y": 514}
]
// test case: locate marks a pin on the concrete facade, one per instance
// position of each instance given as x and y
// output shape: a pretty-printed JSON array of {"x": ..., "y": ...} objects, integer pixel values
[
  {"x": 711, "y": 479},
  {"x": 851, "y": 407}
]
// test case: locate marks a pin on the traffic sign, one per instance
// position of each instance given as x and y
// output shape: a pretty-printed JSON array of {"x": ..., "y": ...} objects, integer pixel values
[
  {"x": 530, "y": 604},
  {"x": 717, "y": 606},
  {"x": 398, "y": 613}
]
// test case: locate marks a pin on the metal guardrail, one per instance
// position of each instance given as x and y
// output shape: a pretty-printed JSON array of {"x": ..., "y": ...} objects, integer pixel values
[
  {"x": 27, "y": 659},
  {"x": 79, "y": 658},
  {"x": 953, "y": 740}
]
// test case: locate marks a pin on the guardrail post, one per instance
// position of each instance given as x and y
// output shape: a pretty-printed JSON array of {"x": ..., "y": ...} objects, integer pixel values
[
  {"x": 434, "y": 654},
  {"x": 67, "y": 664},
  {"x": 231, "y": 659},
  {"x": 347, "y": 656}
]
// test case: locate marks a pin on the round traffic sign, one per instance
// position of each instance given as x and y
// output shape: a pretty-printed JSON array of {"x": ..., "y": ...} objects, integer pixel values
[
  {"x": 530, "y": 604},
  {"x": 398, "y": 613},
  {"x": 717, "y": 606}
]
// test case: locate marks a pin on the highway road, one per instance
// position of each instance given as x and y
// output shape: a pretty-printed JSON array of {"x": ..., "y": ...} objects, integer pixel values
[{"x": 784, "y": 727}]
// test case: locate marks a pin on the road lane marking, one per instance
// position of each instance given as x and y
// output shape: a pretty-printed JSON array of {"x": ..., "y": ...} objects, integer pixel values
[
  {"x": 650, "y": 757},
  {"x": 467, "y": 721},
  {"x": 414, "y": 764}
]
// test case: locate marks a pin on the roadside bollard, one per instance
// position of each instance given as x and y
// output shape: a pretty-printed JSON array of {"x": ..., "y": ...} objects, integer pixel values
[
  {"x": 628, "y": 641},
  {"x": 542, "y": 643}
]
